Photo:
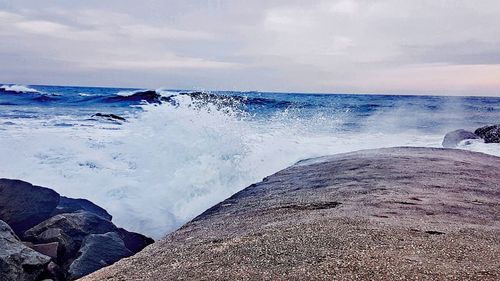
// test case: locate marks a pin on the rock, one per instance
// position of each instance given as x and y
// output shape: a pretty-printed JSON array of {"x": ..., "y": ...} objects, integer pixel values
[
  {"x": 48, "y": 249},
  {"x": 69, "y": 230},
  {"x": 111, "y": 117},
  {"x": 452, "y": 139},
  {"x": 149, "y": 96},
  {"x": 18, "y": 262},
  {"x": 385, "y": 214},
  {"x": 23, "y": 205},
  {"x": 66, "y": 246},
  {"x": 135, "y": 242},
  {"x": 97, "y": 251},
  {"x": 490, "y": 134},
  {"x": 70, "y": 205}
]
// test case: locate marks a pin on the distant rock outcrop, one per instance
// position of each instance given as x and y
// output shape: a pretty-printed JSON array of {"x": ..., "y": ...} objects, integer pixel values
[
  {"x": 490, "y": 134},
  {"x": 53, "y": 229},
  {"x": 386, "y": 214},
  {"x": 452, "y": 139}
]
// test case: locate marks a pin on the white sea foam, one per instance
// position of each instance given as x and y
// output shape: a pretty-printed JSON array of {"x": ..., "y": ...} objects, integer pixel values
[
  {"x": 170, "y": 163},
  {"x": 18, "y": 89}
]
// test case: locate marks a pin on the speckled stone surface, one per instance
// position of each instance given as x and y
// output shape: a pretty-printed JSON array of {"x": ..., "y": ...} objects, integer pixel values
[{"x": 387, "y": 214}]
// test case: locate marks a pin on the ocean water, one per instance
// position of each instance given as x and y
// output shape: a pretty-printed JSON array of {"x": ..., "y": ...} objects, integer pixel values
[{"x": 180, "y": 152}]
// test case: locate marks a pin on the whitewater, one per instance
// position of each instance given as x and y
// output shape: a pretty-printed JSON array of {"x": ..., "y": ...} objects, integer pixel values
[{"x": 178, "y": 153}]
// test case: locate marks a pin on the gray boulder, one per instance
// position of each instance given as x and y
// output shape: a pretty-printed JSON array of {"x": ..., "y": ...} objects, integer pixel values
[
  {"x": 98, "y": 251},
  {"x": 17, "y": 261},
  {"x": 490, "y": 134},
  {"x": 66, "y": 246},
  {"x": 23, "y": 205},
  {"x": 452, "y": 139},
  {"x": 75, "y": 225},
  {"x": 69, "y": 230},
  {"x": 70, "y": 205}
]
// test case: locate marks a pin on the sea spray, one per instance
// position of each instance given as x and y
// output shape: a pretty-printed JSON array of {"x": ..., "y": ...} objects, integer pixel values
[{"x": 171, "y": 161}]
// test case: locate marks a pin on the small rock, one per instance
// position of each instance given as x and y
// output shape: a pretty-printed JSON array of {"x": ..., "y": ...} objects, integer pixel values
[
  {"x": 23, "y": 205},
  {"x": 66, "y": 246},
  {"x": 98, "y": 251},
  {"x": 452, "y": 139},
  {"x": 48, "y": 249}
]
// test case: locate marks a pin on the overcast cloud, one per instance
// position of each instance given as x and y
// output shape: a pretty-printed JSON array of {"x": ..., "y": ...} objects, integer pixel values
[{"x": 341, "y": 46}]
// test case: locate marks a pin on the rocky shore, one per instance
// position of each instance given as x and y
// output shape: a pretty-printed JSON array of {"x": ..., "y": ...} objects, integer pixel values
[
  {"x": 386, "y": 214},
  {"x": 47, "y": 236}
]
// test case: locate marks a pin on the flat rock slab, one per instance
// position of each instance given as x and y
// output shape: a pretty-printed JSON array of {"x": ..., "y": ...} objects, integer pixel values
[{"x": 386, "y": 214}]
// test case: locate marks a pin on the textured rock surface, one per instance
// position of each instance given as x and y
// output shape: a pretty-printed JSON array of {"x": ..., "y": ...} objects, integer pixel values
[
  {"x": 452, "y": 139},
  {"x": 17, "y": 261},
  {"x": 75, "y": 225},
  {"x": 23, "y": 205},
  {"x": 490, "y": 134},
  {"x": 70, "y": 205},
  {"x": 97, "y": 251},
  {"x": 401, "y": 213}
]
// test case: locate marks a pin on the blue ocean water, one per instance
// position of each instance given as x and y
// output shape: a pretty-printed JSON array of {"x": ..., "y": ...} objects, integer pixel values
[{"x": 178, "y": 152}]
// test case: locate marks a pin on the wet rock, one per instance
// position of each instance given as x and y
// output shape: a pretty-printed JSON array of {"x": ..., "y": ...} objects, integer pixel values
[
  {"x": 70, "y": 205},
  {"x": 98, "y": 251},
  {"x": 23, "y": 205},
  {"x": 452, "y": 139},
  {"x": 17, "y": 261},
  {"x": 490, "y": 134}
]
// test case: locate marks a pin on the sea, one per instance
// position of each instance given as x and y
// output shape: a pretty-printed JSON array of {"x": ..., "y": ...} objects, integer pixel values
[{"x": 156, "y": 158}]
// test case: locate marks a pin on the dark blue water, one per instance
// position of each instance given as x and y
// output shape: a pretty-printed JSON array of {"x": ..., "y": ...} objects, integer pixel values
[{"x": 427, "y": 113}]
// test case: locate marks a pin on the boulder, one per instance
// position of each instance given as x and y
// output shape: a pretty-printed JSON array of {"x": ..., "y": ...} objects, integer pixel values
[
  {"x": 23, "y": 205},
  {"x": 98, "y": 251},
  {"x": 135, "y": 242},
  {"x": 70, "y": 205},
  {"x": 69, "y": 230},
  {"x": 490, "y": 134},
  {"x": 452, "y": 139},
  {"x": 66, "y": 246},
  {"x": 17, "y": 261},
  {"x": 386, "y": 214}
]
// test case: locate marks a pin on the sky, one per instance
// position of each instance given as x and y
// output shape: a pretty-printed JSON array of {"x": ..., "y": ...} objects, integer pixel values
[{"x": 439, "y": 47}]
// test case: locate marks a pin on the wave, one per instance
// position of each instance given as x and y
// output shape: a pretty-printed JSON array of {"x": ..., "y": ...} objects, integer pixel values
[
  {"x": 185, "y": 151},
  {"x": 176, "y": 158},
  {"x": 18, "y": 89}
]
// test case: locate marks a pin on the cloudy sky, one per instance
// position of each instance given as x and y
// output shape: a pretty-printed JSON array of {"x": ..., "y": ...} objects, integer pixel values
[{"x": 338, "y": 46}]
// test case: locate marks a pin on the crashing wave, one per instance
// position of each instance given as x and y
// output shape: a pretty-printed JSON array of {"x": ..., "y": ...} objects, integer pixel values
[{"x": 17, "y": 89}]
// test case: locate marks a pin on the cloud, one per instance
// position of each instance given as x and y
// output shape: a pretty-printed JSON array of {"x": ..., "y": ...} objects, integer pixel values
[{"x": 319, "y": 46}]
